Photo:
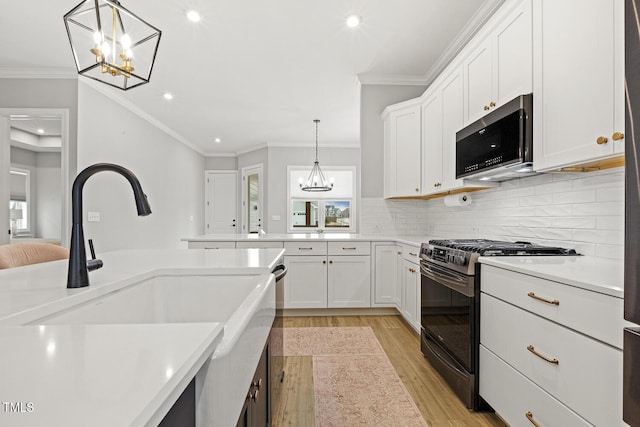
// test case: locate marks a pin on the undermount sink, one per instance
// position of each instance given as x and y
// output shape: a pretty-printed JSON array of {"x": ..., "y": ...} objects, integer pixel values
[{"x": 244, "y": 304}]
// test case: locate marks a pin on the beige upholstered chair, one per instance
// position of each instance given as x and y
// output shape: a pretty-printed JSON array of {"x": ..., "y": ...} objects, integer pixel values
[{"x": 30, "y": 253}]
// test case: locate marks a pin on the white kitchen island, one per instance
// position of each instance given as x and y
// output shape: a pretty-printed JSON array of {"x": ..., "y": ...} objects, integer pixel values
[{"x": 131, "y": 373}]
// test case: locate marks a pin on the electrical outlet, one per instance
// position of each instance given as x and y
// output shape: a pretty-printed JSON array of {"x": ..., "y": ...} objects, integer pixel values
[{"x": 93, "y": 216}]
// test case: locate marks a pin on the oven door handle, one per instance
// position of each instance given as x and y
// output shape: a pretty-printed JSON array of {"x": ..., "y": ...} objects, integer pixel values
[
  {"x": 456, "y": 282},
  {"x": 432, "y": 347}
]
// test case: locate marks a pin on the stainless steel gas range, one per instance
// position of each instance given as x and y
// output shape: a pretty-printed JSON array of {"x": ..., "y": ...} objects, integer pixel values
[{"x": 450, "y": 306}]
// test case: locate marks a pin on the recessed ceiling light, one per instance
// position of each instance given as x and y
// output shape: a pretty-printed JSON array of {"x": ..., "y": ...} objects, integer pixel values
[
  {"x": 167, "y": 96},
  {"x": 40, "y": 130},
  {"x": 193, "y": 16},
  {"x": 217, "y": 140},
  {"x": 353, "y": 21}
]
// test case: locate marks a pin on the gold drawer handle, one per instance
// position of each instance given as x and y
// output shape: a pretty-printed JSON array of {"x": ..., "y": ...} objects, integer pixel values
[
  {"x": 617, "y": 136},
  {"x": 602, "y": 140},
  {"x": 529, "y": 416},
  {"x": 548, "y": 301},
  {"x": 305, "y": 249},
  {"x": 542, "y": 356},
  {"x": 417, "y": 190},
  {"x": 412, "y": 254}
]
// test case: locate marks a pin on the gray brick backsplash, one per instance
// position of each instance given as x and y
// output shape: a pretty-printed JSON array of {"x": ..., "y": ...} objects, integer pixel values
[{"x": 580, "y": 211}]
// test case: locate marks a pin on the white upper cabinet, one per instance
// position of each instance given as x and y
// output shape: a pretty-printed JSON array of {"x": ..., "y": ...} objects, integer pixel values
[
  {"x": 432, "y": 142},
  {"x": 452, "y": 122},
  {"x": 578, "y": 82},
  {"x": 499, "y": 68},
  {"x": 402, "y": 150}
]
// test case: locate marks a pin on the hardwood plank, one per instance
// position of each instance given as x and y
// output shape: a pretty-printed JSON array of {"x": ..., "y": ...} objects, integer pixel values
[{"x": 433, "y": 397}]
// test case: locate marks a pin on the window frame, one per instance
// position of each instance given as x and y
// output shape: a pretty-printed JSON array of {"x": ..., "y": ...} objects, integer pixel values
[
  {"x": 322, "y": 199},
  {"x": 27, "y": 219}
]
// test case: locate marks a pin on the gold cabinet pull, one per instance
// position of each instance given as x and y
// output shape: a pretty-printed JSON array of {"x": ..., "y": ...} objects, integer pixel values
[
  {"x": 412, "y": 254},
  {"x": 602, "y": 140},
  {"x": 617, "y": 136},
  {"x": 486, "y": 108},
  {"x": 417, "y": 190},
  {"x": 529, "y": 416},
  {"x": 548, "y": 301},
  {"x": 324, "y": 261},
  {"x": 553, "y": 361},
  {"x": 348, "y": 249},
  {"x": 492, "y": 104},
  {"x": 399, "y": 253},
  {"x": 305, "y": 249}
]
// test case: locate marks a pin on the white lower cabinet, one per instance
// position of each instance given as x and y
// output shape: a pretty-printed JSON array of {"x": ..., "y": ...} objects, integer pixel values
[
  {"x": 410, "y": 299},
  {"x": 535, "y": 350},
  {"x": 517, "y": 400},
  {"x": 349, "y": 281},
  {"x": 306, "y": 282},
  {"x": 338, "y": 275},
  {"x": 386, "y": 289}
]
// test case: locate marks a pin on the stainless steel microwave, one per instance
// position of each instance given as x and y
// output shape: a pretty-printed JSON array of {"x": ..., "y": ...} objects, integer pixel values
[{"x": 499, "y": 146}]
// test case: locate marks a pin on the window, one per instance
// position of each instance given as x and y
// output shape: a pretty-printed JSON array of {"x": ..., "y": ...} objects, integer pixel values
[{"x": 324, "y": 211}]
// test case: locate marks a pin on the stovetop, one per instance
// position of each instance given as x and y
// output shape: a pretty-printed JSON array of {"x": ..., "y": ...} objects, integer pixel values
[
  {"x": 462, "y": 254},
  {"x": 486, "y": 247}
]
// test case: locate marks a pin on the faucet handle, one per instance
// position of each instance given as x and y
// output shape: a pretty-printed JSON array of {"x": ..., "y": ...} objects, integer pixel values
[{"x": 93, "y": 263}]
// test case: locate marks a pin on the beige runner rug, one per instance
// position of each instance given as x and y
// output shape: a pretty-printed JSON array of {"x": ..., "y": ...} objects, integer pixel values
[{"x": 354, "y": 382}]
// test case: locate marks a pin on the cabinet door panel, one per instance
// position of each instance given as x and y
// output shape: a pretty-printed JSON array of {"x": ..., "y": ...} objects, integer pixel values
[
  {"x": 410, "y": 307},
  {"x": 432, "y": 143},
  {"x": 386, "y": 275},
  {"x": 452, "y": 122},
  {"x": 513, "y": 55},
  {"x": 349, "y": 281},
  {"x": 477, "y": 69},
  {"x": 574, "y": 81},
  {"x": 405, "y": 131},
  {"x": 306, "y": 283}
]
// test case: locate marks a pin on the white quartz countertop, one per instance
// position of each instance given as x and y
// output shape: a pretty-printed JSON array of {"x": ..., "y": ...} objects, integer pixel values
[
  {"x": 99, "y": 375},
  {"x": 328, "y": 237},
  {"x": 32, "y": 292},
  {"x": 602, "y": 275}
]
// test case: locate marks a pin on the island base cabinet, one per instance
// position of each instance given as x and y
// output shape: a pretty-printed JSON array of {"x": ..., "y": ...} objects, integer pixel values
[
  {"x": 255, "y": 411},
  {"x": 517, "y": 400}
]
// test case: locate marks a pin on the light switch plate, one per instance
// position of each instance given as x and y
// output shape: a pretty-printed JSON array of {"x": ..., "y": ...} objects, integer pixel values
[{"x": 93, "y": 216}]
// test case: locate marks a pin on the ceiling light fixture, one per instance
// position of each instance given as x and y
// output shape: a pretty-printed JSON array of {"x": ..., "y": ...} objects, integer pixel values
[
  {"x": 104, "y": 37},
  {"x": 353, "y": 21},
  {"x": 316, "y": 180},
  {"x": 193, "y": 16}
]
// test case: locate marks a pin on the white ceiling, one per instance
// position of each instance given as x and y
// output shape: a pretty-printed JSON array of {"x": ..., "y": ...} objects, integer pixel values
[{"x": 257, "y": 72}]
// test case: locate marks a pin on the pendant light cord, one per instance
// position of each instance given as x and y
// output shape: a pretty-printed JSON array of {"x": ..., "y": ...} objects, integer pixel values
[{"x": 317, "y": 121}]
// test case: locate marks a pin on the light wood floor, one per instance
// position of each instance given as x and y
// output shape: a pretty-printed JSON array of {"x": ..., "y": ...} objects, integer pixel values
[{"x": 437, "y": 403}]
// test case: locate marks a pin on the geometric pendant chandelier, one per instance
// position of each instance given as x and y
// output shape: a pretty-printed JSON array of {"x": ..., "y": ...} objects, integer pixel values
[
  {"x": 316, "y": 181},
  {"x": 110, "y": 44}
]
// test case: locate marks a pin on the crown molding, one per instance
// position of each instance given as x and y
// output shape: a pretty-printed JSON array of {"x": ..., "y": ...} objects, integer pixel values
[
  {"x": 111, "y": 94},
  {"x": 482, "y": 15},
  {"x": 38, "y": 73}
]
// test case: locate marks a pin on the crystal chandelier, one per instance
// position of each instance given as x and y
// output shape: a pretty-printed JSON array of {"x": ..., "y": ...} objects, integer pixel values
[
  {"x": 316, "y": 180},
  {"x": 110, "y": 44}
]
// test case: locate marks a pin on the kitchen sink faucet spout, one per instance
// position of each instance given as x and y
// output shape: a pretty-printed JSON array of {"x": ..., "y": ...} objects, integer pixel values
[{"x": 78, "y": 274}]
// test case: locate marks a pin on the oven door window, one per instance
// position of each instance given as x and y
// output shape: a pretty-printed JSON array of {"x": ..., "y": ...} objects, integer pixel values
[{"x": 446, "y": 317}]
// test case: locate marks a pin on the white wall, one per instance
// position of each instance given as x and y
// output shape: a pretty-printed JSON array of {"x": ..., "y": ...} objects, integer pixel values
[
  {"x": 221, "y": 163},
  {"x": 581, "y": 211},
  {"x": 171, "y": 174}
]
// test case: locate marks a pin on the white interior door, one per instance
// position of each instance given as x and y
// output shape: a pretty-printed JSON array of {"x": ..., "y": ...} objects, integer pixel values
[{"x": 221, "y": 199}]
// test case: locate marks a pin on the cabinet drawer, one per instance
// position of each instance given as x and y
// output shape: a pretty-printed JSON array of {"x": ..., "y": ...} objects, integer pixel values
[
  {"x": 586, "y": 375},
  {"x": 212, "y": 245},
  {"x": 305, "y": 248},
  {"x": 349, "y": 248},
  {"x": 513, "y": 396},
  {"x": 594, "y": 314},
  {"x": 260, "y": 245},
  {"x": 410, "y": 253}
]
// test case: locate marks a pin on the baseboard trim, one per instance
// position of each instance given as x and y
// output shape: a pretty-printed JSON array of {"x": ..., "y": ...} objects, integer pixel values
[{"x": 368, "y": 311}]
